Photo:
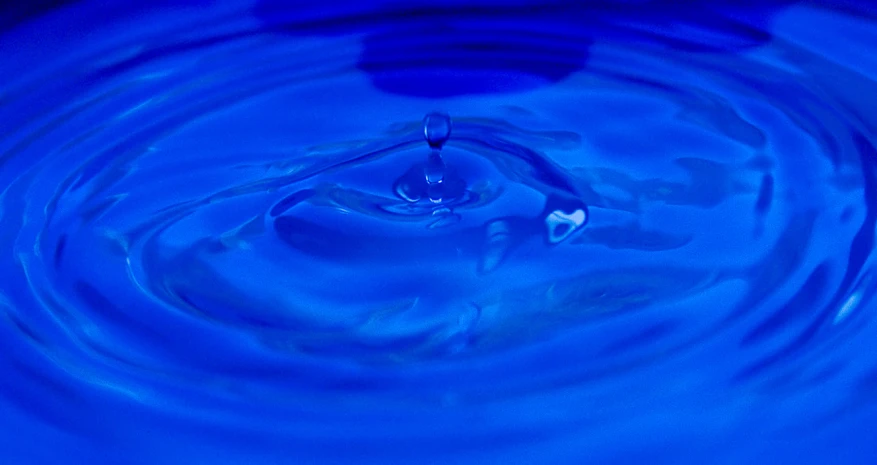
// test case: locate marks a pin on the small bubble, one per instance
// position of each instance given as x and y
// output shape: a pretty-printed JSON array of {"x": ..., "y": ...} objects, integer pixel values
[{"x": 437, "y": 129}]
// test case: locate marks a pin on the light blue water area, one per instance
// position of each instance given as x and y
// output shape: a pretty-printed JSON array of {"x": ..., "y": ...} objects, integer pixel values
[{"x": 438, "y": 232}]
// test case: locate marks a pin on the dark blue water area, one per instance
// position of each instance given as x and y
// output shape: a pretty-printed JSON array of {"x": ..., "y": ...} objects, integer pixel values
[{"x": 262, "y": 232}]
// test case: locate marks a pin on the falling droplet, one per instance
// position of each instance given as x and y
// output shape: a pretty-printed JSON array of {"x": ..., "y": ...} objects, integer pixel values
[{"x": 437, "y": 129}]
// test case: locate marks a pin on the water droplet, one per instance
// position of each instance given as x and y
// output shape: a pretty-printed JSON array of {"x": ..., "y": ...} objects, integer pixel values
[{"x": 437, "y": 129}]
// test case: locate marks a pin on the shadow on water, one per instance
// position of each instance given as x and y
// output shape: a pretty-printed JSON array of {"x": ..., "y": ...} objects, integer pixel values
[
  {"x": 14, "y": 14},
  {"x": 485, "y": 47}
]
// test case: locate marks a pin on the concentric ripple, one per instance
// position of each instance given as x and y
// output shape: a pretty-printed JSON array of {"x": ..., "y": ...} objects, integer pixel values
[{"x": 541, "y": 234}]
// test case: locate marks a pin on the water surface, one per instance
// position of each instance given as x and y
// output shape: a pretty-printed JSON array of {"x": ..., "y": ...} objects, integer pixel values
[{"x": 442, "y": 232}]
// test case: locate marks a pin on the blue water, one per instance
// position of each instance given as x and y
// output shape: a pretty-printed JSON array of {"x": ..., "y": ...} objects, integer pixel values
[{"x": 554, "y": 232}]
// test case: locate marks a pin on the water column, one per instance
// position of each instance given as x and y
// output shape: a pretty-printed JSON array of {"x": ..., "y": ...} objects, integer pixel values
[{"x": 437, "y": 131}]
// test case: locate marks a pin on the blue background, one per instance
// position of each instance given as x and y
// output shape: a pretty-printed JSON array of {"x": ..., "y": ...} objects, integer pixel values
[{"x": 206, "y": 258}]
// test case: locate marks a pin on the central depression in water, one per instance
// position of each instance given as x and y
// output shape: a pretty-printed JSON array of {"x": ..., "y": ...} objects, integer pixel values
[{"x": 381, "y": 250}]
